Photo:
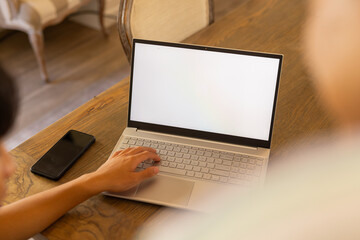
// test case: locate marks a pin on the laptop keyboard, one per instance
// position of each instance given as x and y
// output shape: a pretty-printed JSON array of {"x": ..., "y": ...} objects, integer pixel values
[{"x": 200, "y": 163}]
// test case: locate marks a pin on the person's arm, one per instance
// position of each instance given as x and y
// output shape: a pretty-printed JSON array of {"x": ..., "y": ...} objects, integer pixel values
[{"x": 26, "y": 217}]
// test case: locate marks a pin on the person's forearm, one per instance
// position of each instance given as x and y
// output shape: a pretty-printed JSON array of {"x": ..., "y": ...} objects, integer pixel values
[{"x": 26, "y": 217}]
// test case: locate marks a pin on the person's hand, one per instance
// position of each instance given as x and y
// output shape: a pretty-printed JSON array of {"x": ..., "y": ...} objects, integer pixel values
[{"x": 118, "y": 174}]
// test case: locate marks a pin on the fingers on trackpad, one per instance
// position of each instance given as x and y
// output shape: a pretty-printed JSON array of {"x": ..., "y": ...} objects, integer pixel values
[{"x": 166, "y": 189}]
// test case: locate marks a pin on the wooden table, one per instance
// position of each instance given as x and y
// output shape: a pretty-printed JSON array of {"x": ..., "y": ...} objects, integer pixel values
[{"x": 260, "y": 25}]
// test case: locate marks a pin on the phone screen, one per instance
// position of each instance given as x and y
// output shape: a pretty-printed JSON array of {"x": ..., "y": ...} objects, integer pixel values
[{"x": 63, "y": 154}]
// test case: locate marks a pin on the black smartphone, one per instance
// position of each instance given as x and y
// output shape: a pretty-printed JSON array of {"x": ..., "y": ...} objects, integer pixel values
[{"x": 63, "y": 155}]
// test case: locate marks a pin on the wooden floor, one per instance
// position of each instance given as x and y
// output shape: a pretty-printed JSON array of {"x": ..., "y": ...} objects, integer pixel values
[{"x": 81, "y": 64}]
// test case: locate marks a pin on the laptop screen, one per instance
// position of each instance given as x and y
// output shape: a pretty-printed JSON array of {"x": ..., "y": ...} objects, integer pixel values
[{"x": 203, "y": 89}]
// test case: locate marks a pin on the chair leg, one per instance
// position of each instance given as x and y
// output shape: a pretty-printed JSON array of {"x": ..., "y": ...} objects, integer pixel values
[
  {"x": 101, "y": 17},
  {"x": 37, "y": 43}
]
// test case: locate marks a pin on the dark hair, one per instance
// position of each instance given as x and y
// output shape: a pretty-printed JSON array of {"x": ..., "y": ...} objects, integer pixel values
[{"x": 8, "y": 102}]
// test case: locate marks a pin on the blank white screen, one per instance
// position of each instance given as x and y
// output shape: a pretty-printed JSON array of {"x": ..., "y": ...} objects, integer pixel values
[{"x": 201, "y": 90}]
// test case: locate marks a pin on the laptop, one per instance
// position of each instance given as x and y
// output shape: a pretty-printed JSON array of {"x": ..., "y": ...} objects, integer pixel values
[{"x": 209, "y": 113}]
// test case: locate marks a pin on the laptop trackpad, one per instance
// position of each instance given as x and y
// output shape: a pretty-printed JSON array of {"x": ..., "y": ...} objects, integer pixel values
[{"x": 166, "y": 189}]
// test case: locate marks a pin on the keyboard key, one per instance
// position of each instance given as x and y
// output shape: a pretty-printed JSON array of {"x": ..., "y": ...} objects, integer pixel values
[
  {"x": 180, "y": 166},
  {"x": 187, "y": 156},
  {"x": 178, "y": 160},
  {"x": 207, "y": 154},
  {"x": 210, "y": 165},
  {"x": 194, "y": 157},
  {"x": 186, "y": 161},
  {"x": 190, "y": 173},
  {"x": 204, "y": 170},
  {"x": 202, "y": 164},
  {"x": 192, "y": 151},
  {"x": 227, "y": 163},
  {"x": 173, "y": 165},
  {"x": 171, "y": 159},
  {"x": 259, "y": 162},
  {"x": 177, "y": 149},
  {"x": 218, "y": 161},
  {"x": 234, "y": 169},
  {"x": 202, "y": 158},
  {"x": 207, "y": 176},
  {"x": 188, "y": 167},
  {"x": 184, "y": 150},
  {"x": 200, "y": 153},
  {"x": 172, "y": 170},
  {"x": 165, "y": 164},
  {"x": 219, "y": 172},
  {"x": 164, "y": 152},
  {"x": 210, "y": 160},
  {"x": 226, "y": 157},
  {"x": 198, "y": 175},
  {"x": 169, "y": 148},
  {"x": 194, "y": 163},
  {"x": 178, "y": 154},
  {"x": 222, "y": 167},
  {"x": 154, "y": 145},
  {"x": 172, "y": 154},
  {"x": 236, "y": 164},
  {"x": 161, "y": 147},
  {"x": 196, "y": 169}
]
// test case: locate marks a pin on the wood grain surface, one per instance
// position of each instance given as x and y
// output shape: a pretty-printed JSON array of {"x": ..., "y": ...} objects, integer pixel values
[{"x": 262, "y": 25}]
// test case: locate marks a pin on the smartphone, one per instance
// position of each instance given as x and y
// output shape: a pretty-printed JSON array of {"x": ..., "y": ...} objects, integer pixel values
[{"x": 63, "y": 155}]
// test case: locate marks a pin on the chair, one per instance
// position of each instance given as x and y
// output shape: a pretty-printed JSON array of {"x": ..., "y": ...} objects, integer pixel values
[
  {"x": 32, "y": 16},
  {"x": 164, "y": 20}
]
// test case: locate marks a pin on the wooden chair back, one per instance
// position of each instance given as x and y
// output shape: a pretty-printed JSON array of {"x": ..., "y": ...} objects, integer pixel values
[{"x": 162, "y": 20}]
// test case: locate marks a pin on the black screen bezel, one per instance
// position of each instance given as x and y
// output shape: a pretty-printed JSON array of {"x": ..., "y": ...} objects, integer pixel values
[{"x": 202, "y": 134}]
